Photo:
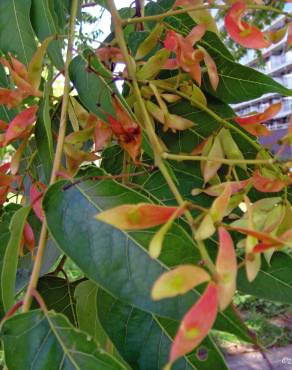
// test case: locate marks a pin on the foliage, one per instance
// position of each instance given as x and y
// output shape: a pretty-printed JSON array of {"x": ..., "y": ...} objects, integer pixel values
[{"x": 159, "y": 198}]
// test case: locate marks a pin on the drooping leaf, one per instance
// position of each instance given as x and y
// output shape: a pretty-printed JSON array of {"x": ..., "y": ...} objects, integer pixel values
[
  {"x": 10, "y": 261},
  {"x": 196, "y": 323}
]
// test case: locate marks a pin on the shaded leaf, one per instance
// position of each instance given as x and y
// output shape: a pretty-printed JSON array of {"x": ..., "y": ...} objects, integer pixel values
[{"x": 49, "y": 342}]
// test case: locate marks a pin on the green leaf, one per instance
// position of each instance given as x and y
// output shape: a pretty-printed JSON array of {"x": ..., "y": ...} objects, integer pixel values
[
  {"x": 94, "y": 92},
  {"x": 8, "y": 275},
  {"x": 102, "y": 251},
  {"x": 138, "y": 335},
  {"x": 272, "y": 282},
  {"x": 58, "y": 295},
  {"x": 237, "y": 83},
  {"x": 49, "y": 342},
  {"x": 43, "y": 135},
  {"x": 44, "y": 23},
  {"x": 86, "y": 309},
  {"x": 4, "y": 239},
  {"x": 16, "y": 33}
]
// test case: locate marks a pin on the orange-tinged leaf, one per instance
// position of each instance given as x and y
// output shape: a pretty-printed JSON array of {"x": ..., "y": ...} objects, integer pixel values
[
  {"x": 20, "y": 124},
  {"x": 156, "y": 242},
  {"x": 102, "y": 135},
  {"x": 127, "y": 131},
  {"x": 75, "y": 157},
  {"x": 245, "y": 34},
  {"x": 186, "y": 57},
  {"x": 235, "y": 186},
  {"x": 226, "y": 267},
  {"x": 10, "y": 98},
  {"x": 211, "y": 69},
  {"x": 220, "y": 204},
  {"x": 110, "y": 54},
  {"x": 137, "y": 216},
  {"x": 268, "y": 114},
  {"x": 259, "y": 235},
  {"x": 178, "y": 281},
  {"x": 267, "y": 184},
  {"x": 196, "y": 323},
  {"x": 28, "y": 238},
  {"x": 37, "y": 191}
]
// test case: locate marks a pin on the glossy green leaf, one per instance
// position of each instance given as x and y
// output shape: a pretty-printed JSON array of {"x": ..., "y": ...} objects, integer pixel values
[
  {"x": 272, "y": 282},
  {"x": 43, "y": 134},
  {"x": 86, "y": 310},
  {"x": 58, "y": 294},
  {"x": 94, "y": 92},
  {"x": 50, "y": 342},
  {"x": 137, "y": 334},
  {"x": 102, "y": 251},
  {"x": 10, "y": 261},
  {"x": 44, "y": 24},
  {"x": 4, "y": 239},
  {"x": 16, "y": 33},
  {"x": 237, "y": 83}
]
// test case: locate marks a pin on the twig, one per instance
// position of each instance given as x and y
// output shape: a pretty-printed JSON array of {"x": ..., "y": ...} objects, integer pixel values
[
  {"x": 156, "y": 146},
  {"x": 109, "y": 177},
  {"x": 57, "y": 160},
  {"x": 12, "y": 311},
  {"x": 159, "y": 17},
  {"x": 185, "y": 157}
]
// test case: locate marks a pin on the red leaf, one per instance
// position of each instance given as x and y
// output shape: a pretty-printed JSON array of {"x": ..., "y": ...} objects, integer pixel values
[
  {"x": 128, "y": 132},
  {"x": 37, "y": 191},
  {"x": 102, "y": 135},
  {"x": 10, "y": 98},
  {"x": 20, "y": 124},
  {"x": 28, "y": 238},
  {"x": 189, "y": 59},
  {"x": 268, "y": 114},
  {"x": 267, "y": 184},
  {"x": 243, "y": 33},
  {"x": 226, "y": 267},
  {"x": 137, "y": 216},
  {"x": 196, "y": 323}
]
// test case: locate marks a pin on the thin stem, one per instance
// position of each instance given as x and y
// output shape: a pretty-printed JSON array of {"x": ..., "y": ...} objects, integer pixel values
[
  {"x": 159, "y": 17},
  {"x": 57, "y": 160},
  {"x": 211, "y": 113},
  {"x": 183, "y": 157},
  {"x": 156, "y": 147}
]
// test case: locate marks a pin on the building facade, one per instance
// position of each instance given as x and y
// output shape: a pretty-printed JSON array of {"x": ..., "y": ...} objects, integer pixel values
[{"x": 278, "y": 65}]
